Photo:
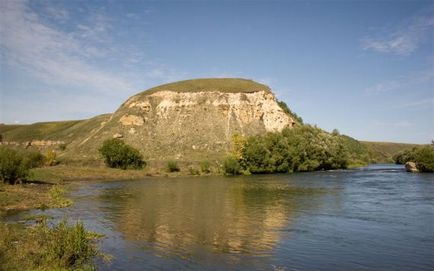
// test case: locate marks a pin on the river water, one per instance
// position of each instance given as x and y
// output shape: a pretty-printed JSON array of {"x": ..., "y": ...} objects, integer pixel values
[{"x": 374, "y": 218}]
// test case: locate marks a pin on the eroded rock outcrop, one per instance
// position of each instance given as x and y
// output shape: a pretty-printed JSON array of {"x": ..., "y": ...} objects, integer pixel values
[{"x": 194, "y": 119}]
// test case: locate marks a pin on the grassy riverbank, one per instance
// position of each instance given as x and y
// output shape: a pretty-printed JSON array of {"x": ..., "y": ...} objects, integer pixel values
[
  {"x": 32, "y": 196},
  {"x": 66, "y": 173},
  {"x": 40, "y": 247},
  {"x": 37, "y": 244}
]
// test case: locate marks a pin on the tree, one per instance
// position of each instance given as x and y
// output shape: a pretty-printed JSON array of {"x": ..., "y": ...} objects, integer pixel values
[
  {"x": 13, "y": 166},
  {"x": 117, "y": 154}
]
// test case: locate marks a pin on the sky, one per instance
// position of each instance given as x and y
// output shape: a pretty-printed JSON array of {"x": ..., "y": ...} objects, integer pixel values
[{"x": 362, "y": 67}]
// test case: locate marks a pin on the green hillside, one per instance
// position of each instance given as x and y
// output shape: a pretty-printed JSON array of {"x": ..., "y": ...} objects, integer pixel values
[
  {"x": 382, "y": 152},
  {"x": 57, "y": 130}
]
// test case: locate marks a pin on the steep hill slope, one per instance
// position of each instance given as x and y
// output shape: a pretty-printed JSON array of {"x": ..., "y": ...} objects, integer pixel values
[{"x": 189, "y": 120}]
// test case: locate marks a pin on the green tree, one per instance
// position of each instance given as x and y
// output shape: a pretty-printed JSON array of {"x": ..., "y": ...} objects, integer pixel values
[
  {"x": 117, "y": 154},
  {"x": 425, "y": 159},
  {"x": 13, "y": 166}
]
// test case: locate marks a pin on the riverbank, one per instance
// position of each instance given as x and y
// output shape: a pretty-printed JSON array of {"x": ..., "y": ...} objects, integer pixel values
[
  {"x": 70, "y": 173},
  {"x": 32, "y": 195},
  {"x": 35, "y": 243}
]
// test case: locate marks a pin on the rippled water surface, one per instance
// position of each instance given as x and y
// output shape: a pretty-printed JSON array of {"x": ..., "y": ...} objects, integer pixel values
[{"x": 374, "y": 218}]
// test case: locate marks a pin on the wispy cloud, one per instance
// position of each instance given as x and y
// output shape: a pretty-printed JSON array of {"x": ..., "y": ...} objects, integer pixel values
[
  {"x": 418, "y": 103},
  {"x": 52, "y": 55},
  {"x": 397, "y": 124},
  {"x": 403, "y": 82},
  {"x": 402, "y": 39}
]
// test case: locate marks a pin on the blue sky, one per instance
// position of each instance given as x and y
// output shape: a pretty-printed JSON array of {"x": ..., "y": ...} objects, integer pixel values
[{"x": 363, "y": 67}]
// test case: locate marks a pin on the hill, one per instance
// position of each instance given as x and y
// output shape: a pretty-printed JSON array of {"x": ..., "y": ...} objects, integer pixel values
[
  {"x": 189, "y": 120},
  {"x": 382, "y": 152}
]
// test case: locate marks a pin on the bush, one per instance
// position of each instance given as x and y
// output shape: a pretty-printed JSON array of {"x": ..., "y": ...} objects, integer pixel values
[
  {"x": 205, "y": 167},
  {"x": 425, "y": 159},
  {"x": 13, "y": 166},
  {"x": 193, "y": 171},
  {"x": 231, "y": 166},
  {"x": 50, "y": 158},
  {"x": 172, "y": 166},
  {"x": 422, "y": 156},
  {"x": 32, "y": 159},
  {"x": 303, "y": 148},
  {"x": 117, "y": 154}
]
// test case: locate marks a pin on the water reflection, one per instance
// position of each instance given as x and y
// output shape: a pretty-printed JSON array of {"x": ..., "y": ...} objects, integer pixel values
[{"x": 219, "y": 215}]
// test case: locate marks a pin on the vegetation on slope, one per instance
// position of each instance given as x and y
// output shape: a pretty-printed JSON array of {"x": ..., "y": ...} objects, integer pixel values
[
  {"x": 231, "y": 85},
  {"x": 422, "y": 156},
  {"x": 288, "y": 111},
  {"x": 383, "y": 152},
  {"x": 57, "y": 130}
]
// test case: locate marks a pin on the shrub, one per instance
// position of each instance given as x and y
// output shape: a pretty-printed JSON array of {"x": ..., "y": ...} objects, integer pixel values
[
  {"x": 117, "y": 154},
  {"x": 425, "y": 159},
  {"x": 32, "y": 159},
  {"x": 193, "y": 170},
  {"x": 422, "y": 156},
  {"x": 231, "y": 166},
  {"x": 205, "y": 167},
  {"x": 13, "y": 166},
  {"x": 51, "y": 158},
  {"x": 303, "y": 148},
  {"x": 172, "y": 166}
]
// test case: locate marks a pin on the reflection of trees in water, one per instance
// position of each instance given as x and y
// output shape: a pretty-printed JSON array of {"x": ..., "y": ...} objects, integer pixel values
[{"x": 179, "y": 216}]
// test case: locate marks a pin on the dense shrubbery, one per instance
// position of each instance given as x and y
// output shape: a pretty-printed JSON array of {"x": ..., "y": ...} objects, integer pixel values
[
  {"x": 12, "y": 166},
  {"x": 303, "y": 148},
  {"x": 231, "y": 166},
  {"x": 15, "y": 164},
  {"x": 422, "y": 156},
  {"x": 117, "y": 154}
]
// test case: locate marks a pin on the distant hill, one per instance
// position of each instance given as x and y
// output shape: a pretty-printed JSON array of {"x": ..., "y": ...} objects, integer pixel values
[{"x": 382, "y": 152}]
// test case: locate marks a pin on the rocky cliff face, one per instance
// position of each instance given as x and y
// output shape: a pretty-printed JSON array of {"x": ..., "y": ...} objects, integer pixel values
[{"x": 191, "y": 124}]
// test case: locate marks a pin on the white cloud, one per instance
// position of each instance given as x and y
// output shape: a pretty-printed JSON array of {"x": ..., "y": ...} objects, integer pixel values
[
  {"x": 397, "y": 124},
  {"x": 403, "y": 82},
  {"x": 418, "y": 103},
  {"x": 52, "y": 55},
  {"x": 402, "y": 39}
]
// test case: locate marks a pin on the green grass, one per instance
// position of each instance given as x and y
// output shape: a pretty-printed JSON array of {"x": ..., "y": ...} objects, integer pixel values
[
  {"x": 32, "y": 196},
  {"x": 57, "y": 130},
  {"x": 40, "y": 247},
  {"x": 229, "y": 85}
]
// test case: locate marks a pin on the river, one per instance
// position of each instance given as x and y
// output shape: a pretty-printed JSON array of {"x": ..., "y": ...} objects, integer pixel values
[{"x": 374, "y": 218}]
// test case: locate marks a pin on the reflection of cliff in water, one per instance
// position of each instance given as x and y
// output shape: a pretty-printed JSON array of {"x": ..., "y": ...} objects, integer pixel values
[{"x": 221, "y": 215}]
